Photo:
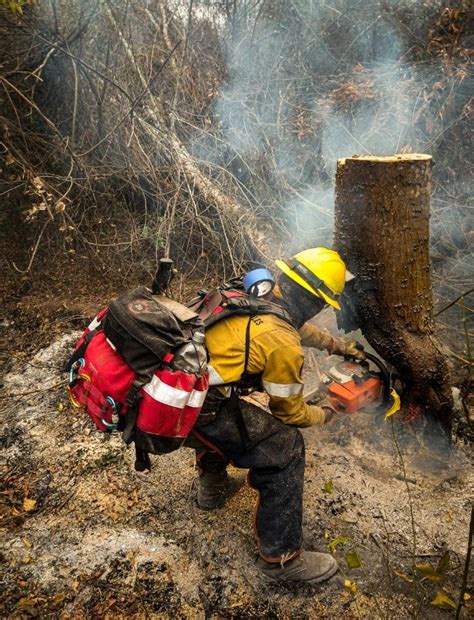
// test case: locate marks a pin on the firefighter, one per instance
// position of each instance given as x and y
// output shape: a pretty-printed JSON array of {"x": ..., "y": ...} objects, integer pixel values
[{"x": 230, "y": 429}]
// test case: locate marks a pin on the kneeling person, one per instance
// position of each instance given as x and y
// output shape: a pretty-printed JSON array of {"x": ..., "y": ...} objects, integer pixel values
[{"x": 267, "y": 350}]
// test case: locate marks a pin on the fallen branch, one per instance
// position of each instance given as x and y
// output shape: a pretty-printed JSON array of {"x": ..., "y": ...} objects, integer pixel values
[
  {"x": 43, "y": 389},
  {"x": 134, "y": 104},
  {"x": 461, "y": 359},
  {"x": 35, "y": 249},
  {"x": 471, "y": 290}
]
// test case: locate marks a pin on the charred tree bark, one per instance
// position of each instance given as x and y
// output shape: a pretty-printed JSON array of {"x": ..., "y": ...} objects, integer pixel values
[{"x": 382, "y": 231}]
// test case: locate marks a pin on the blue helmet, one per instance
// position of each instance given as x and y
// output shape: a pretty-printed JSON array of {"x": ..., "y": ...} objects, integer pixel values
[{"x": 258, "y": 282}]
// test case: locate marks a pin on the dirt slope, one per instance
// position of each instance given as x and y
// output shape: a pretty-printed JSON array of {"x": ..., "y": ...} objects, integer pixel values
[{"x": 87, "y": 537}]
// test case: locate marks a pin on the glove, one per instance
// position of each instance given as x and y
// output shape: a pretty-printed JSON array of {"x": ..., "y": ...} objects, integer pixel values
[
  {"x": 317, "y": 415},
  {"x": 349, "y": 347},
  {"x": 330, "y": 412},
  {"x": 323, "y": 410}
]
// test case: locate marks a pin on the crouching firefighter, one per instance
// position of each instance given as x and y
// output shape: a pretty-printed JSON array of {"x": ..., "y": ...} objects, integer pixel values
[{"x": 260, "y": 347}]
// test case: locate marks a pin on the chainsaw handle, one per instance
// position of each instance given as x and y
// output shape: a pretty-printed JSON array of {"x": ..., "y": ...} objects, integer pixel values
[
  {"x": 385, "y": 376},
  {"x": 383, "y": 370}
]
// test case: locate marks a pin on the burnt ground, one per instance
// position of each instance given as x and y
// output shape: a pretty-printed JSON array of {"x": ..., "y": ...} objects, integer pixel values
[{"x": 85, "y": 536}]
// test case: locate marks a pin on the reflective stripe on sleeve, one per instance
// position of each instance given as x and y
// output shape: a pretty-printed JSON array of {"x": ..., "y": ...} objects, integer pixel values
[
  {"x": 214, "y": 376},
  {"x": 166, "y": 394},
  {"x": 282, "y": 390}
]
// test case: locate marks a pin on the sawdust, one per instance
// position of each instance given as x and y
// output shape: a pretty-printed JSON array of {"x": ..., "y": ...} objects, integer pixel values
[{"x": 106, "y": 541}]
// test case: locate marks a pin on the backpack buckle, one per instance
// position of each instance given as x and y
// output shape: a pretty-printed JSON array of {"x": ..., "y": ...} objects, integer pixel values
[
  {"x": 111, "y": 426},
  {"x": 74, "y": 370}
]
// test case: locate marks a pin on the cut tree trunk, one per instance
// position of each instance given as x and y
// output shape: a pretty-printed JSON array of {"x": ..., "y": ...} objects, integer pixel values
[{"x": 382, "y": 231}]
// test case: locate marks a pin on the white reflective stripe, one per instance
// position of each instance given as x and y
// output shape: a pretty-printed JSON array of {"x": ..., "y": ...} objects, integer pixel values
[
  {"x": 214, "y": 376},
  {"x": 283, "y": 390},
  {"x": 197, "y": 398},
  {"x": 111, "y": 344},
  {"x": 94, "y": 323},
  {"x": 166, "y": 394}
]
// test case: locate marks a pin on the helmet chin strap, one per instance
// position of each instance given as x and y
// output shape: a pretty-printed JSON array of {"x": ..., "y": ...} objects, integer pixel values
[{"x": 301, "y": 304}]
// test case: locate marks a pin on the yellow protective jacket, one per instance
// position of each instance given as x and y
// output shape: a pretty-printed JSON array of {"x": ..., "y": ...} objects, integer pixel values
[{"x": 276, "y": 353}]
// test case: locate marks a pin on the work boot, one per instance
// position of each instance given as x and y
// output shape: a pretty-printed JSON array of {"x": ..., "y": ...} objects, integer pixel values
[
  {"x": 213, "y": 489},
  {"x": 309, "y": 567}
]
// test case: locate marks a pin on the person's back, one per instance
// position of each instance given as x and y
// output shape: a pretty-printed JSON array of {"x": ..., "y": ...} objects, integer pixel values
[{"x": 275, "y": 360}]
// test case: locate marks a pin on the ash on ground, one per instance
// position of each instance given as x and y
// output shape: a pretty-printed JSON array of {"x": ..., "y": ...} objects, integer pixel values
[{"x": 87, "y": 536}]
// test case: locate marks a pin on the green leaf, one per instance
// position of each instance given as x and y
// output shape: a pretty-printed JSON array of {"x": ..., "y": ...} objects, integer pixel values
[
  {"x": 442, "y": 600},
  {"x": 443, "y": 564},
  {"x": 328, "y": 486},
  {"x": 403, "y": 576},
  {"x": 353, "y": 560},
  {"x": 340, "y": 540},
  {"x": 429, "y": 571}
]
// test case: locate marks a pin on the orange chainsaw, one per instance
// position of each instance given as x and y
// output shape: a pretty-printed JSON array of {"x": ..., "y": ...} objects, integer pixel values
[{"x": 352, "y": 385}]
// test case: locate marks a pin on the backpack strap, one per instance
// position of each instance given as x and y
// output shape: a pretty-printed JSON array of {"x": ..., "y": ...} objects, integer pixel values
[
  {"x": 234, "y": 402},
  {"x": 79, "y": 352},
  {"x": 142, "y": 459},
  {"x": 245, "y": 374},
  {"x": 133, "y": 402},
  {"x": 236, "y": 302}
]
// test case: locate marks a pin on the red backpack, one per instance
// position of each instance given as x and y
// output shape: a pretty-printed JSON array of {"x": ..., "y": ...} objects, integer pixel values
[
  {"x": 141, "y": 368},
  {"x": 141, "y": 365}
]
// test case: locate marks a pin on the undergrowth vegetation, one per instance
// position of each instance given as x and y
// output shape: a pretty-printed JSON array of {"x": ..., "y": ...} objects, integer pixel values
[{"x": 209, "y": 131}]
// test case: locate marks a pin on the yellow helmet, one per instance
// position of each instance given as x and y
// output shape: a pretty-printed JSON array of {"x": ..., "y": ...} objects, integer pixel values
[{"x": 318, "y": 270}]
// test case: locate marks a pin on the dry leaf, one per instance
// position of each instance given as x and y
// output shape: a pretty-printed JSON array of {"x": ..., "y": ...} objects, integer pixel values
[
  {"x": 58, "y": 598},
  {"x": 403, "y": 576},
  {"x": 340, "y": 540},
  {"x": 328, "y": 486},
  {"x": 443, "y": 564},
  {"x": 428, "y": 571},
  {"x": 350, "y": 585},
  {"x": 442, "y": 600},
  {"x": 30, "y": 601},
  {"x": 353, "y": 560},
  {"x": 29, "y": 504}
]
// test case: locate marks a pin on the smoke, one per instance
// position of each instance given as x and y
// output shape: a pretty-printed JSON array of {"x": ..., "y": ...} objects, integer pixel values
[{"x": 310, "y": 82}]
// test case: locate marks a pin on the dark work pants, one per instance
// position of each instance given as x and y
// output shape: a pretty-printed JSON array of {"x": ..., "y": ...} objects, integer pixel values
[{"x": 274, "y": 454}]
